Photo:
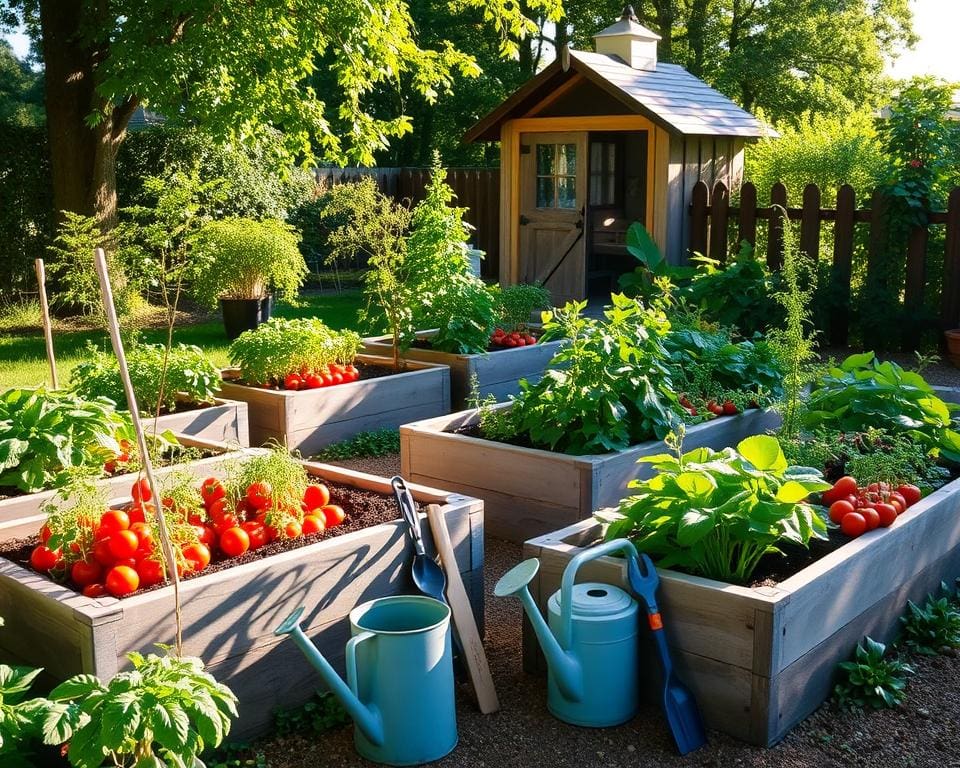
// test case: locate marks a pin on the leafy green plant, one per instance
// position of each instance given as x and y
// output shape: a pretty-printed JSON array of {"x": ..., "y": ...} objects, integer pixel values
[
  {"x": 277, "y": 347},
  {"x": 863, "y": 392},
  {"x": 608, "y": 388},
  {"x": 163, "y": 712},
  {"x": 322, "y": 713},
  {"x": 515, "y": 303},
  {"x": 872, "y": 679},
  {"x": 716, "y": 513},
  {"x": 21, "y": 719},
  {"x": 239, "y": 258},
  {"x": 929, "y": 628},
  {"x": 186, "y": 373},
  {"x": 651, "y": 267},
  {"x": 283, "y": 474},
  {"x": 463, "y": 314},
  {"x": 380, "y": 442},
  {"x": 46, "y": 436}
]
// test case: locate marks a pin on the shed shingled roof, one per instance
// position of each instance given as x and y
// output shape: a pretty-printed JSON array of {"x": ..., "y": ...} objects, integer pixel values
[{"x": 669, "y": 95}]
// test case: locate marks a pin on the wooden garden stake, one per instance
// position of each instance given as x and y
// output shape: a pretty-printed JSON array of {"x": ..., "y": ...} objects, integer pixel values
[
  {"x": 47, "y": 330},
  {"x": 113, "y": 325},
  {"x": 463, "y": 619}
]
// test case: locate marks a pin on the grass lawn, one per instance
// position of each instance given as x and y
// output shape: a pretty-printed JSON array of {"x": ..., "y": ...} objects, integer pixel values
[{"x": 23, "y": 360}]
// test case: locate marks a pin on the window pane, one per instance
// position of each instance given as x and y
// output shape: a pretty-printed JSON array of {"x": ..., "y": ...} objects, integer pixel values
[
  {"x": 611, "y": 157},
  {"x": 566, "y": 192},
  {"x": 611, "y": 192},
  {"x": 545, "y": 192},
  {"x": 545, "y": 159},
  {"x": 596, "y": 189},
  {"x": 566, "y": 160},
  {"x": 596, "y": 157}
]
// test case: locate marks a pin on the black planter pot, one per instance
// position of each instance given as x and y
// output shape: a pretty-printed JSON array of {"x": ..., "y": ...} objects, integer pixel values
[{"x": 241, "y": 315}]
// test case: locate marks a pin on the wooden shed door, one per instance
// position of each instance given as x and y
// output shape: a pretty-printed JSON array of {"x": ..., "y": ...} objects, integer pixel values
[{"x": 553, "y": 182}]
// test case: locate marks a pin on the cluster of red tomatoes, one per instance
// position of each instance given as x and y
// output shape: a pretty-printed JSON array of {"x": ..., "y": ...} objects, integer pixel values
[
  {"x": 119, "y": 461},
  {"x": 858, "y": 510},
  {"x": 334, "y": 374},
  {"x": 119, "y": 553},
  {"x": 501, "y": 338}
]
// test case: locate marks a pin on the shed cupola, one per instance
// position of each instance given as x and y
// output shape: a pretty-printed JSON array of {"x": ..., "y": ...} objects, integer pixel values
[{"x": 630, "y": 40}]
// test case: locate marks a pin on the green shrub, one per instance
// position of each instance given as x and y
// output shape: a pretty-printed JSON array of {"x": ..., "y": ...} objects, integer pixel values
[
  {"x": 278, "y": 347},
  {"x": 872, "y": 679},
  {"x": 380, "y": 442},
  {"x": 245, "y": 259},
  {"x": 933, "y": 626},
  {"x": 185, "y": 370},
  {"x": 514, "y": 304}
]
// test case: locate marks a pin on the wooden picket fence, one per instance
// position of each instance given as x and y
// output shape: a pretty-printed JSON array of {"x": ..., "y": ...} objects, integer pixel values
[
  {"x": 477, "y": 189},
  {"x": 713, "y": 221}
]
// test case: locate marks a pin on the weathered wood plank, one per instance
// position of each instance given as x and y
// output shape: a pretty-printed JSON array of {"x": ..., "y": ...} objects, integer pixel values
[
  {"x": 224, "y": 421},
  {"x": 950, "y": 296},
  {"x": 810, "y": 222},
  {"x": 698, "y": 218},
  {"x": 747, "y": 215},
  {"x": 843, "y": 231},
  {"x": 718, "y": 224},
  {"x": 777, "y": 221}
]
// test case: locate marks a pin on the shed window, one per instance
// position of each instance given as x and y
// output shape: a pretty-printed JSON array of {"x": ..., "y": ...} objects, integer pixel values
[
  {"x": 603, "y": 173},
  {"x": 557, "y": 176}
]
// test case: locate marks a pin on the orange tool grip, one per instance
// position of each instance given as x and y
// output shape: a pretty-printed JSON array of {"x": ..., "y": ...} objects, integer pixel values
[{"x": 655, "y": 621}]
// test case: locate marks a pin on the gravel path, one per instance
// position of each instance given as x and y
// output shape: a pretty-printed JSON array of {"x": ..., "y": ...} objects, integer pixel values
[{"x": 922, "y": 734}]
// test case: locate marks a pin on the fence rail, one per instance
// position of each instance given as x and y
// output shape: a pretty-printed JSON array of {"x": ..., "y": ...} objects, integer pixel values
[
  {"x": 713, "y": 219},
  {"x": 477, "y": 189}
]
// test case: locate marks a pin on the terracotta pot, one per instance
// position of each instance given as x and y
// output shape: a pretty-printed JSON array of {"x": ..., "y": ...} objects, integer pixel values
[{"x": 953, "y": 346}]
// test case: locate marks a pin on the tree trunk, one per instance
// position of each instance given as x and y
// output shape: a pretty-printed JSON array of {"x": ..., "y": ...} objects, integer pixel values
[
  {"x": 666, "y": 15},
  {"x": 82, "y": 158},
  {"x": 697, "y": 36}
]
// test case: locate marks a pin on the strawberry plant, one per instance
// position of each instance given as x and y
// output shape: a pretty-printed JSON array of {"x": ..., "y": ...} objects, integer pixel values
[
  {"x": 185, "y": 371},
  {"x": 716, "y": 513},
  {"x": 304, "y": 347},
  {"x": 46, "y": 436}
]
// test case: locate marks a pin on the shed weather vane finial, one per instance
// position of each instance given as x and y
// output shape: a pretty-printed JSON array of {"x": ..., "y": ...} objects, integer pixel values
[{"x": 629, "y": 14}]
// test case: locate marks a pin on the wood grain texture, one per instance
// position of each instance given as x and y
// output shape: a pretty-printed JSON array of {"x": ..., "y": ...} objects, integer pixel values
[{"x": 224, "y": 421}]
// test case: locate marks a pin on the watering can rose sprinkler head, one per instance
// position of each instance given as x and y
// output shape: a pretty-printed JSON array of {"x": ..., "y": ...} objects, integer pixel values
[{"x": 590, "y": 642}]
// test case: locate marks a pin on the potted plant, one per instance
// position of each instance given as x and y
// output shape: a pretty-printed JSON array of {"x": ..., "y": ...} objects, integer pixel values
[
  {"x": 244, "y": 264},
  {"x": 953, "y": 345}
]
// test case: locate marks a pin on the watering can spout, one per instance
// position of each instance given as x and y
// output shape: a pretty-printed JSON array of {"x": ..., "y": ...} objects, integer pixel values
[
  {"x": 563, "y": 663},
  {"x": 367, "y": 719}
]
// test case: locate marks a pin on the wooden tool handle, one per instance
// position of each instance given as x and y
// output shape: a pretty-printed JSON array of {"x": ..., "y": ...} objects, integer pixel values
[
  {"x": 47, "y": 329},
  {"x": 474, "y": 655}
]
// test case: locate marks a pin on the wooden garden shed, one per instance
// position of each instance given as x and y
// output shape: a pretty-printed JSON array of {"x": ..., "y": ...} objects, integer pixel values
[{"x": 597, "y": 141}]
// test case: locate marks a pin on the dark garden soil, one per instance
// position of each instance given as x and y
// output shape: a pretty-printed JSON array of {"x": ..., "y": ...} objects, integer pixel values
[
  {"x": 364, "y": 509},
  {"x": 367, "y": 371}
]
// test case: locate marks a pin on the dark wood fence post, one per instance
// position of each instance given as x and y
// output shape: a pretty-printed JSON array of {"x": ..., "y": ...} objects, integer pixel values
[
  {"x": 914, "y": 282},
  {"x": 719, "y": 214},
  {"x": 810, "y": 222},
  {"x": 950, "y": 298},
  {"x": 843, "y": 230},
  {"x": 747, "y": 225},
  {"x": 698, "y": 218},
  {"x": 778, "y": 197}
]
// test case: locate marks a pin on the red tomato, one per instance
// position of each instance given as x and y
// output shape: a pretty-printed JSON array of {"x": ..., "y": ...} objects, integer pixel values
[
  {"x": 829, "y": 496},
  {"x": 729, "y": 409},
  {"x": 94, "y": 590},
  {"x": 352, "y": 373},
  {"x": 101, "y": 553},
  {"x": 123, "y": 544},
  {"x": 129, "y": 562},
  {"x": 292, "y": 529},
  {"x": 878, "y": 487},
  {"x": 198, "y": 555},
  {"x": 872, "y": 517},
  {"x": 217, "y": 509},
  {"x": 234, "y": 542},
  {"x": 226, "y": 520},
  {"x": 256, "y": 532},
  {"x": 313, "y": 381},
  {"x": 333, "y": 515},
  {"x": 114, "y": 520},
  {"x": 86, "y": 572},
  {"x": 911, "y": 494},
  {"x": 292, "y": 381},
  {"x": 840, "y": 508},
  {"x": 258, "y": 494},
  {"x": 887, "y": 514},
  {"x": 853, "y": 524},
  {"x": 150, "y": 572},
  {"x": 44, "y": 559},
  {"x": 521, "y": 342},
  {"x": 844, "y": 486},
  {"x": 206, "y": 535},
  {"x": 530, "y": 340},
  {"x": 141, "y": 491},
  {"x": 136, "y": 514},
  {"x": 336, "y": 378},
  {"x": 211, "y": 491},
  {"x": 313, "y": 524},
  {"x": 122, "y": 580},
  {"x": 317, "y": 495},
  {"x": 326, "y": 379},
  {"x": 45, "y": 534}
]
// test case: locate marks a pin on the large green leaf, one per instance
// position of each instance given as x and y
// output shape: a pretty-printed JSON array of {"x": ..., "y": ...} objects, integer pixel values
[
  {"x": 642, "y": 247},
  {"x": 791, "y": 492},
  {"x": 764, "y": 452},
  {"x": 694, "y": 525}
]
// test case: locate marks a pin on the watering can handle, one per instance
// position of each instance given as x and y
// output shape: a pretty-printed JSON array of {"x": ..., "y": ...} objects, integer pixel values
[
  {"x": 351, "y": 660},
  {"x": 570, "y": 576}
]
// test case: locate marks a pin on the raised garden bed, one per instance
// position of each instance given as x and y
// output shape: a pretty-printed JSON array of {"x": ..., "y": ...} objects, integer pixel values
[
  {"x": 229, "y": 615},
  {"x": 224, "y": 421},
  {"x": 527, "y": 491},
  {"x": 308, "y": 420},
  {"x": 21, "y": 516},
  {"x": 761, "y": 659},
  {"x": 497, "y": 373}
]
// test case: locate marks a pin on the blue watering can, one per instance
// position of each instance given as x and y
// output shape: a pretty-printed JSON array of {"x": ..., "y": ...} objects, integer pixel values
[
  {"x": 590, "y": 642},
  {"x": 399, "y": 690}
]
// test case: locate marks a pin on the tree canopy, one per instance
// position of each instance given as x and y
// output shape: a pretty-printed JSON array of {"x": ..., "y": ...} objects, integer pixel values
[{"x": 21, "y": 90}]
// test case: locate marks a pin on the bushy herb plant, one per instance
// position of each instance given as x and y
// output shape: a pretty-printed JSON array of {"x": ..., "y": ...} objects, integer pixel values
[
  {"x": 872, "y": 679},
  {"x": 283, "y": 474},
  {"x": 48, "y": 436},
  {"x": 717, "y": 513},
  {"x": 607, "y": 389},
  {"x": 184, "y": 371},
  {"x": 380, "y": 442},
  {"x": 929, "y": 628},
  {"x": 266, "y": 354},
  {"x": 514, "y": 304},
  {"x": 863, "y": 393}
]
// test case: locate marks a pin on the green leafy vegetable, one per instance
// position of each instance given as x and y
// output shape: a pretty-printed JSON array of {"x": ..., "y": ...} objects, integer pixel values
[
  {"x": 929, "y": 628},
  {"x": 872, "y": 679}
]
